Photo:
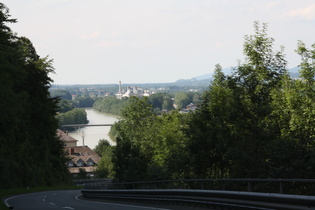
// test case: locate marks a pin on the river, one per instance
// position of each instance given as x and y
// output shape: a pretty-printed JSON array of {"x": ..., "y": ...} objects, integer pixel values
[{"x": 93, "y": 134}]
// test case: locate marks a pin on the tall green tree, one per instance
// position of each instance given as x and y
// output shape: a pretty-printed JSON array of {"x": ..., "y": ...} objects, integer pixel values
[
  {"x": 28, "y": 140},
  {"x": 230, "y": 124},
  {"x": 253, "y": 81},
  {"x": 105, "y": 166},
  {"x": 132, "y": 153},
  {"x": 292, "y": 154},
  {"x": 209, "y": 130}
]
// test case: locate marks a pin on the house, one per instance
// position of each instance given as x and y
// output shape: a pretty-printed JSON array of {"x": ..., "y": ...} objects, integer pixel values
[
  {"x": 81, "y": 157},
  {"x": 189, "y": 108},
  {"x": 67, "y": 139}
]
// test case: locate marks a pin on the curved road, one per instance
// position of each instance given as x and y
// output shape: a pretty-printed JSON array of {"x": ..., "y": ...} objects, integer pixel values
[{"x": 64, "y": 200}]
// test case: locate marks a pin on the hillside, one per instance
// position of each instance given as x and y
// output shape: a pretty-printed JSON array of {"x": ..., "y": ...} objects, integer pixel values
[{"x": 205, "y": 79}]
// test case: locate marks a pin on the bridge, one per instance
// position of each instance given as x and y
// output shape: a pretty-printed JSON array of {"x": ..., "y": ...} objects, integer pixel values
[{"x": 85, "y": 125}]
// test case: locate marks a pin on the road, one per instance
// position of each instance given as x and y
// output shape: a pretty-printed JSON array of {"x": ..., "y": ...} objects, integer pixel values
[{"x": 65, "y": 200}]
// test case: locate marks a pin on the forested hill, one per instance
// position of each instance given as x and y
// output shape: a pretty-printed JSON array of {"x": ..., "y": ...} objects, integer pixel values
[{"x": 30, "y": 153}]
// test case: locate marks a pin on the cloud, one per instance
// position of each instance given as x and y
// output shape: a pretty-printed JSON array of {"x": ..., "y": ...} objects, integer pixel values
[
  {"x": 113, "y": 34},
  {"x": 92, "y": 35},
  {"x": 307, "y": 13},
  {"x": 106, "y": 44}
]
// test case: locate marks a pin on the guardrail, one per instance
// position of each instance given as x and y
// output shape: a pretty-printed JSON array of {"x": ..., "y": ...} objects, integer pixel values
[
  {"x": 289, "y": 186},
  {"x": 207, "y": 198}
]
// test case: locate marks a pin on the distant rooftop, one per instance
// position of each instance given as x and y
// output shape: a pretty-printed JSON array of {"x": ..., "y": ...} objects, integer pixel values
[{"x": 65, "y": 137}]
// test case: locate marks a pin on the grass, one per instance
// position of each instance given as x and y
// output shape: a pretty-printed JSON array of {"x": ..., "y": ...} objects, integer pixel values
[{"x": 18, "y": 191}]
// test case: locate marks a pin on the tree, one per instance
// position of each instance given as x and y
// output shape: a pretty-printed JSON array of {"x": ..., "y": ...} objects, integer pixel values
[
  {"x": 28, "y": 125},
  {"x": 110, "y": 104},
  {"x": 161, "y": 101},
  {"x": 132, "y": 152},
  {"x": 169, "y": 148},
  {"x": 181, "y": 100},
  {"x": 209, "y": 130},
  {"x": 167, "y": 103},
  {"x": 292, "y": 154},
  {"x": 229, "y": 133},
  {"x": 105, "y": 166},
  {"x": 62, "y": 94},
  {"x": 75, "y": 116},
  {"x": 83, "y": 101},
  {"x": 65, "y": 106}
]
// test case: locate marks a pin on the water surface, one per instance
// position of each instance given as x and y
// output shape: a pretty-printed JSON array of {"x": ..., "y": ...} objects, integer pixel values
[{"x": 93, "y": 134}]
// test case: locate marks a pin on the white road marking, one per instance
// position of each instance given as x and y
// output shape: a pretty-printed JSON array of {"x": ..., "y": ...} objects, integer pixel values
[
  {"x": 52, "y": 203},
  {"x": 67, "y": 207},
  {"x": 77, "y": 197},
  {"x": 6, "y": 200}
]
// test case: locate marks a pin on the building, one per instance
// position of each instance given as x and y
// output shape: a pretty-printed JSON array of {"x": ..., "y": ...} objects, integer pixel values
[
  {"x": 189, "y": 108},
  {"x": 131, "y": 91},
  {"x": 81, "y": 157},
  {"x": 67, "y": 139}
]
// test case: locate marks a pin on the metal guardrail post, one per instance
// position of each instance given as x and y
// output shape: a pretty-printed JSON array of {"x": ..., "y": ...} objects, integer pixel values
[
  {"x": 222, "y": 185},
  {"x": 281, "y": 188},
  {"x": 249, "y": 186}
]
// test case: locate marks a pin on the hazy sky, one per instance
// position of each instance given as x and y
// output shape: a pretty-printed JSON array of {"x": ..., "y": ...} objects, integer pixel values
[{"x": 146, "y": 41}]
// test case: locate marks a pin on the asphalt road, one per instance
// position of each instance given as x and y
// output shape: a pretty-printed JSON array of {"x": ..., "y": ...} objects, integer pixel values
[{"x": 65, "y": 200}]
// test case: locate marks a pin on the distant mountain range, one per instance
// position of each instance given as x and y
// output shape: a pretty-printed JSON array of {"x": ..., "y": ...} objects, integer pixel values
[{"x": 205, "y": 79}]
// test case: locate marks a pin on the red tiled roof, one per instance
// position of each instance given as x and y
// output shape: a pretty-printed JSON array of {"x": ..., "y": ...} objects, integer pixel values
[
  {"x": 84, "y": 153},
  {"x": 65, "y": 137}
]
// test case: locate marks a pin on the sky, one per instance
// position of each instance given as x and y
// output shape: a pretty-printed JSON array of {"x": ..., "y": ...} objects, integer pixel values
[{"x": 154, "y": 41}]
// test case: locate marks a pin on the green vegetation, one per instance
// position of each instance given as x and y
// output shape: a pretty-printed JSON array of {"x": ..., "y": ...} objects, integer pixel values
[
  {"x": 148, "y": 144},
  {"x": 161, "y": 101},
  {"x": 182, "y": 99},
  {"x": 255, "y": 123},
  {"x": 65, "y": 106},
  {"x": 62, "y": 94},
  {"x": 75, "y": 116},
  {"x": 30, "y": 153},
  {"x": 105, "y": 166},
  {"x": 83, "y": 101},
  {"x": 110, "y": 105}
]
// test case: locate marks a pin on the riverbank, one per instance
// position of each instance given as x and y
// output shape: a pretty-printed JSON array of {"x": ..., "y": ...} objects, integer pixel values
[{"x": 92, "y": 134}]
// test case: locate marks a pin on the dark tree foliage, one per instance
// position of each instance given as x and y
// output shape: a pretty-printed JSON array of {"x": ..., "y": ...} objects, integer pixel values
[
  {"x": 110, "y": 105},
  {"x": 65, "y": 106},
  {"x": 62, "y": 94},
  {"x": 182, "y": 99},
  {"x": 130, "y": 163},
  {"x": 83, "y": 101},
  {"x": 161, "y": 101},
  {"x": 75, "y": 116},
  {"x": 255, "y": 123},
  {"x": 149, "y": 146},
  {"x": 31, "y": 154},
  {"x": 105, "y": 166}
]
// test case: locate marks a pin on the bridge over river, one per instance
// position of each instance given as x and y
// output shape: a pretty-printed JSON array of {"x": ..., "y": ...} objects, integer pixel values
[
  {"x": 85, "y": 125},
  {"x": 98, "y": 128}
]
